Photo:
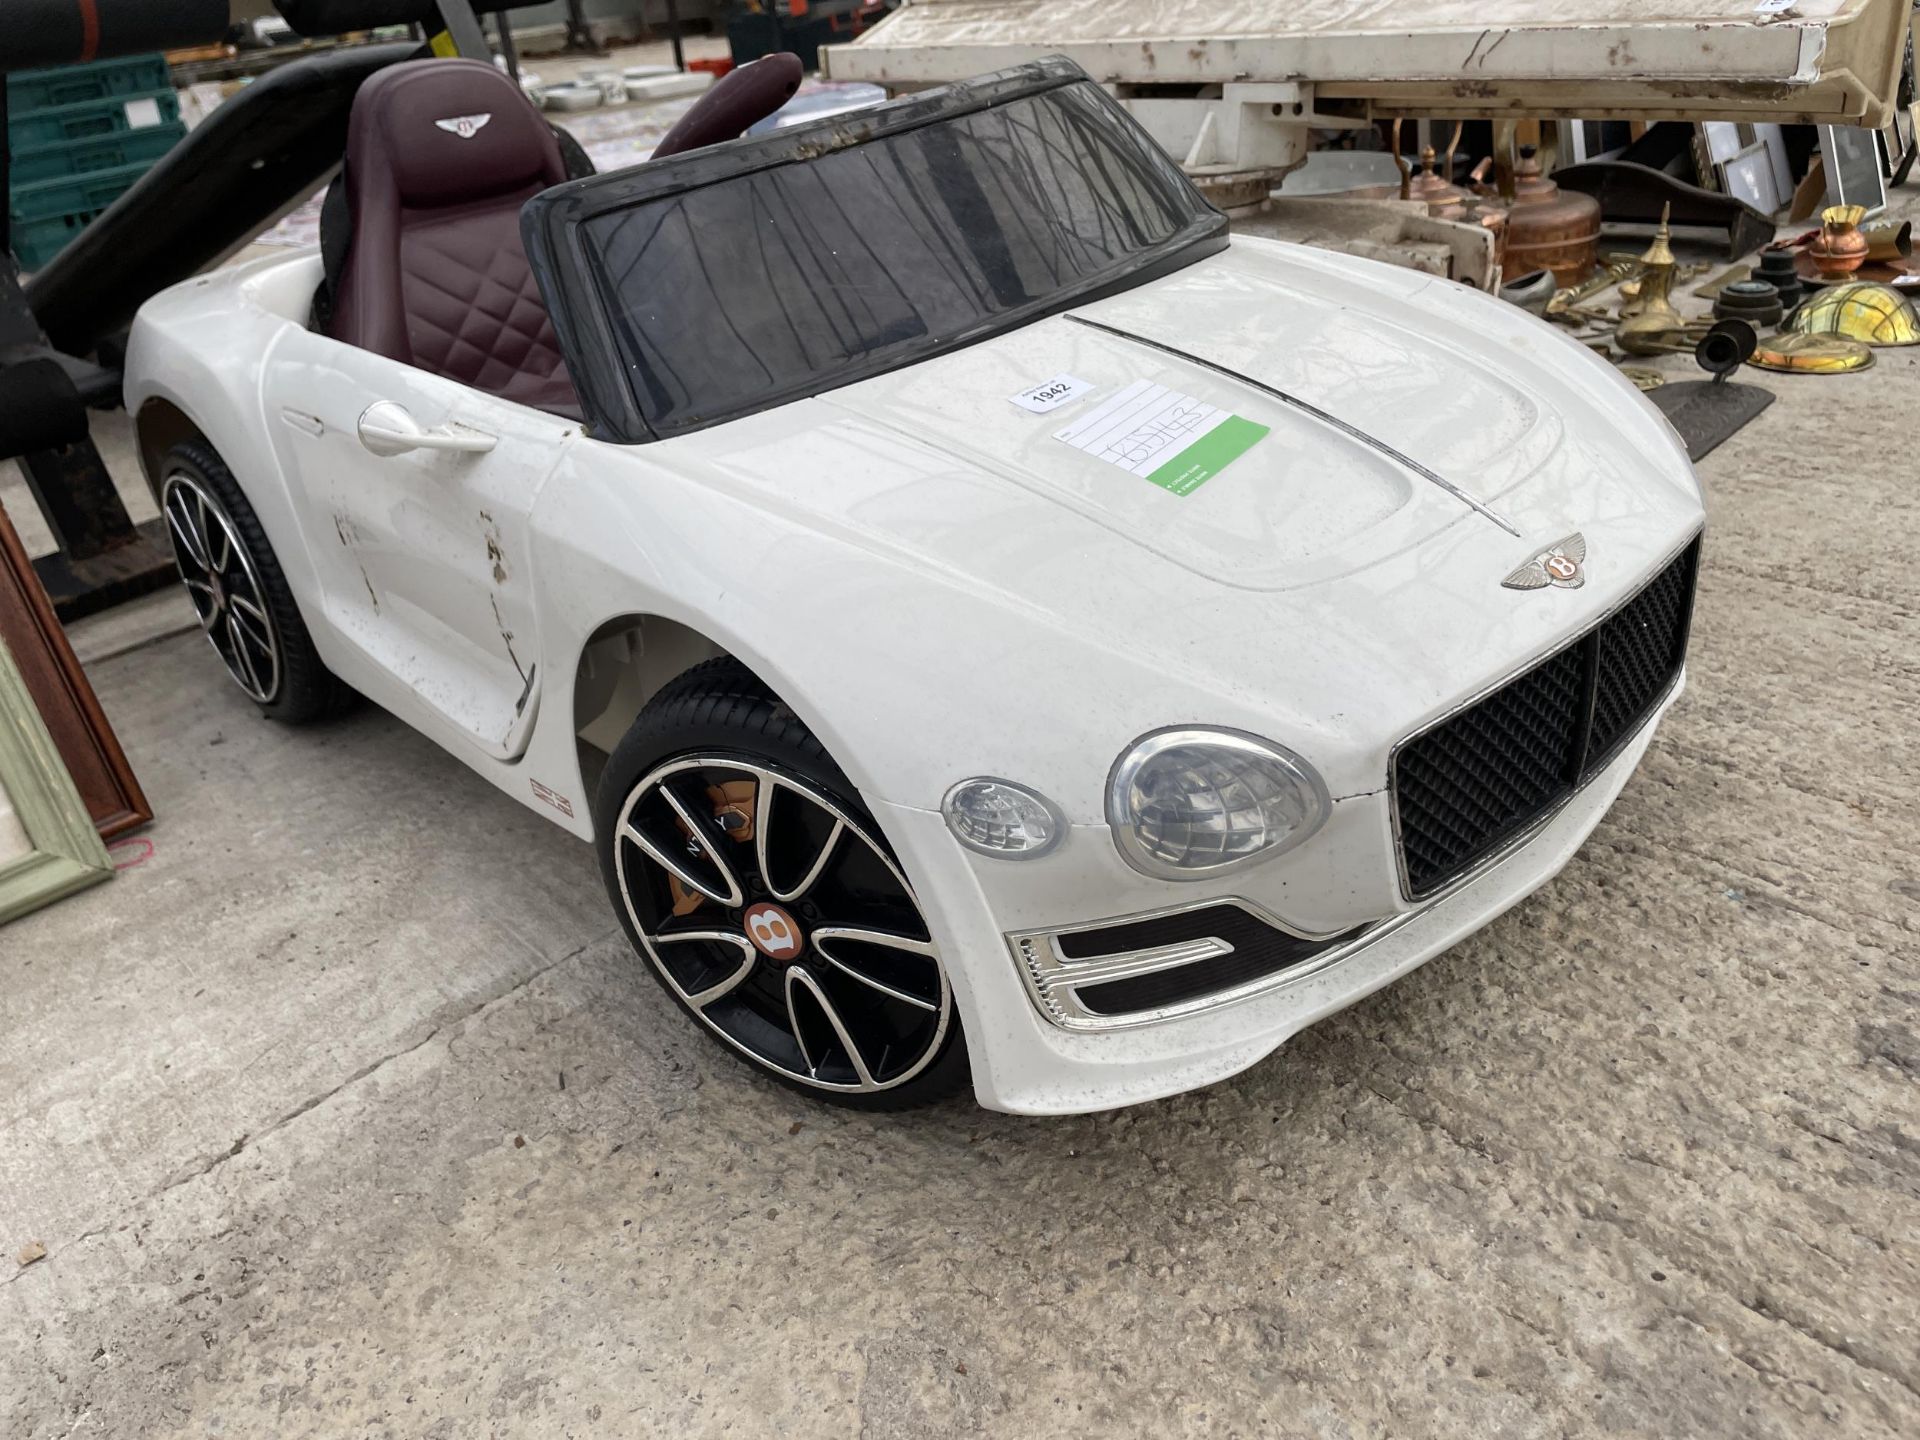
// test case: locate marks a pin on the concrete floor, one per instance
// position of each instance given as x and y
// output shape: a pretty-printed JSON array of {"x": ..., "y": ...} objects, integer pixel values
[{"x": 347, "y": 1112}]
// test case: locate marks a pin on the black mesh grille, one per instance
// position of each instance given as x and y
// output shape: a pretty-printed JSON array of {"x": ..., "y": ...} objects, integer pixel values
[
  {"x": 1465, "y": 785},
  {"x": 1481, "y": 776},
  {"x": 1259, "y": 950},
  {"x": 1640, "y": 650}
]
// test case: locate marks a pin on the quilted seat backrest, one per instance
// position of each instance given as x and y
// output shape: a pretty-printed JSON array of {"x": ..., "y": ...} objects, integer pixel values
[{"x": 441, "y": 156}]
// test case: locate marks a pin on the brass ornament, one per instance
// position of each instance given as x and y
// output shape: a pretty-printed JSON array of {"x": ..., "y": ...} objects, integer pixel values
[
  {"x": 1811, "y": 355},
  {"x": 1649, "y": 323}
]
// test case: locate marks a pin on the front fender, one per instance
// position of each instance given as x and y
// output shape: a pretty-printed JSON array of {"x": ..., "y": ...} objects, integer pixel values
[
  {"x": 203, "y": 347},
  {"x": 911, "y": 676}
]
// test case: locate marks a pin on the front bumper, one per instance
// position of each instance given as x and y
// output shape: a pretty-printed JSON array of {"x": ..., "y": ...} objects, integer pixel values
[{"x": 1025, "y": 1063}]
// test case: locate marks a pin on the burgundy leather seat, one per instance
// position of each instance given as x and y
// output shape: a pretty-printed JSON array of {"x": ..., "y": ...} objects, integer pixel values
[{"x": 441, "y": 155}]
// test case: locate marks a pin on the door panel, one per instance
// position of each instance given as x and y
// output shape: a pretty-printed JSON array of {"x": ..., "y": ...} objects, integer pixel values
[{"x": 421, "y": 556}]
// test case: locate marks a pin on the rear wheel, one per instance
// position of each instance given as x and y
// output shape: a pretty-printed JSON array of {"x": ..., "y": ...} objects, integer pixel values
[
  {"x": 759, "y": 892},
  {"x": 239, "y": 591}
]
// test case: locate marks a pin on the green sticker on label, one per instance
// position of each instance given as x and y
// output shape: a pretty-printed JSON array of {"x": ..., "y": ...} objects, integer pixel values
[
  {"x": 1176, "y": 441},
  {"x": 1208, "y": 456}
]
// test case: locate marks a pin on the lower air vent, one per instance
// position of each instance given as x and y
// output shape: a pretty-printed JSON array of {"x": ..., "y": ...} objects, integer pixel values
[{"x": 1156, "y": 966}]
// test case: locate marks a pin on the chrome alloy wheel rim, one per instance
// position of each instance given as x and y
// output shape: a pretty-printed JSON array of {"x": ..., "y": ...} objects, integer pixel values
[
  {"x": 223, "y": 585},
  {"x": 781, "y": 923}
]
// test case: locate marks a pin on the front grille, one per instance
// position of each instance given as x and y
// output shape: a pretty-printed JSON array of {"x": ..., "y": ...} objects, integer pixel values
[
  {"x": 1641, "y": 649},
  {"x": 1481, "y": 776},
  {"x": 1259, "y": 950}
]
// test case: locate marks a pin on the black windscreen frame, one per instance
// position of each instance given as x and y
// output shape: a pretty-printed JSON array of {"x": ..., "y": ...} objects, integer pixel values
[{"x": 710, "y": 286}]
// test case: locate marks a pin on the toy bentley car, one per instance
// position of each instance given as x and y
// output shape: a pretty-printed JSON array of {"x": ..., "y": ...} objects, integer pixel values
[{"x": 994, "y": 626}]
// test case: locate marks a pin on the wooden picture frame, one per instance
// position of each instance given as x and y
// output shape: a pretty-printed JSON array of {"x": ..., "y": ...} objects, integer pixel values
[
  {"x": 65, "y": 700},
  {"x": 64, "y": 851}
]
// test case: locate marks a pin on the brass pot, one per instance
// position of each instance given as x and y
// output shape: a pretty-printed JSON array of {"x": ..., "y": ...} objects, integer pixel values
[
  {"x": 1550, "y": 228},
  {"x": 1839, "y": 248}
]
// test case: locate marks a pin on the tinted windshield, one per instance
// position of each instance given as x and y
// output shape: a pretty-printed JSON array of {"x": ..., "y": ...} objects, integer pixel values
[{"x": 762, "y": 287}]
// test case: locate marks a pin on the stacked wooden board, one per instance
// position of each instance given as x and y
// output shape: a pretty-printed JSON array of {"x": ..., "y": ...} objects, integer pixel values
[{"x": 1832, "y": 61}]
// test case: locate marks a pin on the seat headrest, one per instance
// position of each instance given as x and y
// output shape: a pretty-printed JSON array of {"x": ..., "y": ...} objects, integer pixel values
[
  {"x": 449, "y": 131},
  {"x": 739, "y": 100}
]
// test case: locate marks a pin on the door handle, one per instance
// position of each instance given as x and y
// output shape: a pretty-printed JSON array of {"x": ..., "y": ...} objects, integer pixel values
[{"x": 388, "y": 429}]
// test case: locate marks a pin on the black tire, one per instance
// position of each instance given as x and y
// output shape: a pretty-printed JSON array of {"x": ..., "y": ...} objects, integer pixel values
[
  {"x": 713, "y": 718},
  {"x": 299, "y": 687}
]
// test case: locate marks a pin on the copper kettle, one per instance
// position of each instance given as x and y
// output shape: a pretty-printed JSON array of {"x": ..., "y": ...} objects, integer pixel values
[{"x": 1550, "y": 228}]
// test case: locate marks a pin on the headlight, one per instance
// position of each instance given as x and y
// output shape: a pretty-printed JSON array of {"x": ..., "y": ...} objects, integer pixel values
[
  {"x": 997, "y": 817},
  {"x": 1187, "y": 804}
]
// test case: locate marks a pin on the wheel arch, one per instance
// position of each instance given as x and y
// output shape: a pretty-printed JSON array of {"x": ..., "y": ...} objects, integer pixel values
[
  {"x": 626, "y": 660},
  {"x": 622, "y": 665},
  {"x": 167, "y": 416},
  {"x": 158, "y": 426}
]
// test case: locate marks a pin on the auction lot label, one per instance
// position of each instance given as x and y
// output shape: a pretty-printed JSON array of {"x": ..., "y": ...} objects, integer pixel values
[
  {"x": 1176, "y": 441},
  {"x": 1052, "y": 394}
]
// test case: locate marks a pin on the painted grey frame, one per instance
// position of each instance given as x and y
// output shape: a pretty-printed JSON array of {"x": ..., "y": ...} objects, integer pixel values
[
  {"x": 1871, "y": 189},
  {"x": 67, "y": 853},
  {"x": 1572, "y": 135}
]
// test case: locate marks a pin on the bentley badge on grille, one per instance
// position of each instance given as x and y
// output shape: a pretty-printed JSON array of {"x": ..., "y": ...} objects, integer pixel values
[{"x": 1561, "y": 563}]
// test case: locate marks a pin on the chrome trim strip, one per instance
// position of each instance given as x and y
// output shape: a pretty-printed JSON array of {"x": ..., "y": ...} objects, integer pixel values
[
  {"x": 1252, "y": 907},
  {"x": 1372, "y": 442},
  {"x": 1052, "y": 979},
  {"x": 1521, "y": 837},
  {"x": 1126, "y": 964}
]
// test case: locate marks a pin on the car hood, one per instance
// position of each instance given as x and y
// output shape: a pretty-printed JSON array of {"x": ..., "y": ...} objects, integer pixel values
[
  {"x": 1382, "y": 416},
  {"x": 1315, "y": 573}
]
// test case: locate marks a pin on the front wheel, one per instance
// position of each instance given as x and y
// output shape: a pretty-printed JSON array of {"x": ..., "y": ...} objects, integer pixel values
[{"x": 759, "y": 892}]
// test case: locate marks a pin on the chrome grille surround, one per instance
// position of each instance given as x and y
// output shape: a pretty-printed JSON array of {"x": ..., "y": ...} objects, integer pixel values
[{"x": 1522, "y": 769}]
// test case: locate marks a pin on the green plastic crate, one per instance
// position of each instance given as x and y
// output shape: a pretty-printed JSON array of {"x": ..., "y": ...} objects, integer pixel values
[
  {"x": 62, "y": 85},
  {"x": 107, "y": 152},
  {"x": 64, "y": 124},
  {"x": 45, "y": 216}
]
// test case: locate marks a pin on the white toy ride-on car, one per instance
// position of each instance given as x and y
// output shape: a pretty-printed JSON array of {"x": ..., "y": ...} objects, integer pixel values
[{"x": 994, "y": 625}]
